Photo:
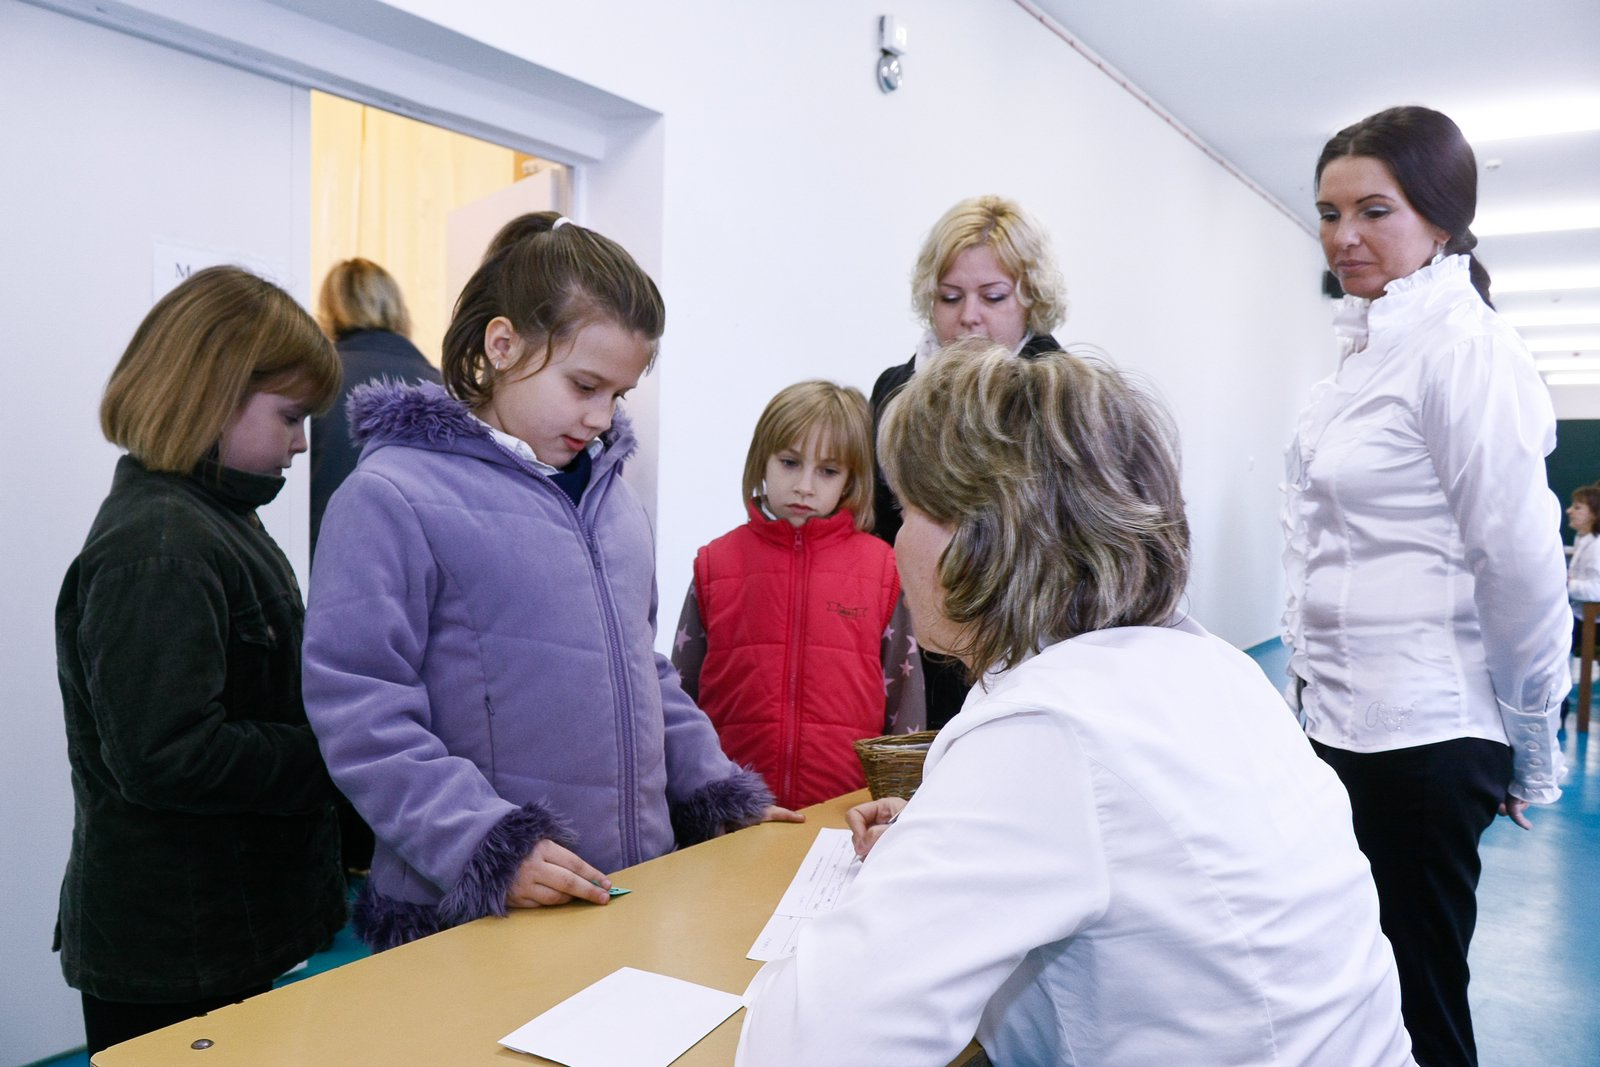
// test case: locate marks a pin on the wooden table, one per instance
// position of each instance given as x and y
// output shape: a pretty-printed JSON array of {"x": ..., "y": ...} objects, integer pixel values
[{"x": 448, "y": 999}]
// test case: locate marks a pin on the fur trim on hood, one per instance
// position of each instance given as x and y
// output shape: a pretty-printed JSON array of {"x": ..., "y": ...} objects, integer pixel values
[{"x": 387, "y": 412}]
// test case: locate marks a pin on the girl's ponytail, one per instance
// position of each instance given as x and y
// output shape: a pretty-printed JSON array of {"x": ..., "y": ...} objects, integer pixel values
[{"x": 550, "y": 278}]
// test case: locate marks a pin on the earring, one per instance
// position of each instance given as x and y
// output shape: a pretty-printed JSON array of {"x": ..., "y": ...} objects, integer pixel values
[{"x": 1438, "y": 255}]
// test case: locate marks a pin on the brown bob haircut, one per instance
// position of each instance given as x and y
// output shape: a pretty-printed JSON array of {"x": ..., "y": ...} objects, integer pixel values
[
  {"x": 220, "y": 336},
  {"x": 839, "y": 415},
  {"x": 1589, "y": 497},
  {"x": 357, "y": 294},
  {"x": 1060, "y": 480},
  {"x": 550, "y": 282}
]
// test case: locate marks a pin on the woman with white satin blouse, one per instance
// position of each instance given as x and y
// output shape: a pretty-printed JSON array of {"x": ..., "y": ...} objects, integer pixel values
[{"x": 1427, "y": 608}]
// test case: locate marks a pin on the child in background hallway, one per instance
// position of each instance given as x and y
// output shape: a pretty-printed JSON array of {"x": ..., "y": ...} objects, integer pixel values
[
  {"x": 479, "y": 649},
  {"x": 205, "y": 852},
  {"x": 1583, "y": 568},
  {"x": 1583, "y": 572},
  {"x": 794, "y": 637}
]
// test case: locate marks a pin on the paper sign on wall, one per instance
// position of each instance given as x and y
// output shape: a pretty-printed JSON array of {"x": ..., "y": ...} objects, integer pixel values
[{"x": 172, "y": 263}]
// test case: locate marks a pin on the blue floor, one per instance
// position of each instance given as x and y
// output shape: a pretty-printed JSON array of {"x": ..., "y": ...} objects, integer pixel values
[{"x": 1536, "y": 954}]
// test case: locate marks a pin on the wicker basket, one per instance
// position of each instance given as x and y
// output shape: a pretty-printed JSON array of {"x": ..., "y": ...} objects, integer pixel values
[{"x": 894, "y": 762}]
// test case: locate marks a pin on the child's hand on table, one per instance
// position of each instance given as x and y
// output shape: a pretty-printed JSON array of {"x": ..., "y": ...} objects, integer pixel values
[
  {"x": 773, "y": 813},
  {"x": 777, "y": 814},
  {"x": 554, "y": 875}
]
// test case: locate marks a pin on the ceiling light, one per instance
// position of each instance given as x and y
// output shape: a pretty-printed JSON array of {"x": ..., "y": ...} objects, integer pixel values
[
  {"x": 1545, "y": 219},
  {"x": 1553, "y": 317},
  {"x": 1530, "y": 119},
  {"x": 1570, "y": 343},
  {"x": 1572, "y": 379},
  {"x": 1566, "y": 363},
  {"x": 1540, "y": 281}
]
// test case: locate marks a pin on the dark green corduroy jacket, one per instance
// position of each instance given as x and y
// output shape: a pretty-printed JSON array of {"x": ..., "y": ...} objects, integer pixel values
[{"x": 205, "y": 851}]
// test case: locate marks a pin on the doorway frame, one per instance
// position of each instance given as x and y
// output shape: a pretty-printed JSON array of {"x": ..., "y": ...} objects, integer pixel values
[{"x": 372, "y": 53}]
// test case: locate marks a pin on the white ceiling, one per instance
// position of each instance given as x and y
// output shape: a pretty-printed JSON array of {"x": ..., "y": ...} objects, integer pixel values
[{"x": 1266, "y": 82}]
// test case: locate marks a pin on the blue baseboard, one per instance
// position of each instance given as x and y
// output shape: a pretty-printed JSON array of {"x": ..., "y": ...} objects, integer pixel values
[{"x": 1273, "y": 657}]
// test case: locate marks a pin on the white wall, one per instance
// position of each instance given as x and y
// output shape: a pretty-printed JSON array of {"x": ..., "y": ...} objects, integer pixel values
[
  {"x": 797, "y": 195},
  {"x": 745, "y": 155},
  {"x": 112, "y": 144},
  {"x": 1576, "y": 401}
]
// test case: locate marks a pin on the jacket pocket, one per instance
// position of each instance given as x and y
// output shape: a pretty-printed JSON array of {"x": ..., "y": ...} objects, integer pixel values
[
  {"x": 263, "y": 649},
  {"x": 252, "y": 627}
]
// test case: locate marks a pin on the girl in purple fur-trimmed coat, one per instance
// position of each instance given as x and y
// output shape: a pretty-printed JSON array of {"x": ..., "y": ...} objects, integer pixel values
[{"x": 479, "y": 663}]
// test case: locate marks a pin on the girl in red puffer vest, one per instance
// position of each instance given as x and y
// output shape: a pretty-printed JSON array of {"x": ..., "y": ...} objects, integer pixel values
[{"x": 794, "y": 637}]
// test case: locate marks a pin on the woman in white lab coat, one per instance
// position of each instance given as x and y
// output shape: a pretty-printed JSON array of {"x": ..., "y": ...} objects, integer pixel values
[{"x": 1100, "y": 867}]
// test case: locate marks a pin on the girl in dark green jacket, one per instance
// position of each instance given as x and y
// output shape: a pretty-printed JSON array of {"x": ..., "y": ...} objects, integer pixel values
[{"x": 205, "y": 851}]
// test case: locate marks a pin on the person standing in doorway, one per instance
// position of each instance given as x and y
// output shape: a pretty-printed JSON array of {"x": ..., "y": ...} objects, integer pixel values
[{"x": 362, "y": 309}]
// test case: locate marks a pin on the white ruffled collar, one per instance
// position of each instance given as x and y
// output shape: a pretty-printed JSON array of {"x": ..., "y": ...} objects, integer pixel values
[{"x": 1353, "y": 315}]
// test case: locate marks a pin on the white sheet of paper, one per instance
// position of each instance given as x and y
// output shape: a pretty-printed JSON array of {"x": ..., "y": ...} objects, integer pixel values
[
  {"x": 778, "y": 938},
  {"x": 630, "y": 1018},
  {"x": 818, "y": 886}
]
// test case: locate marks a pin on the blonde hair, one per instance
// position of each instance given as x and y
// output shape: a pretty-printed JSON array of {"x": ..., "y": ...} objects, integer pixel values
[
  {"x": 550, "y": 282},
  {"x": 1019, "y": 243},
  {"x": 843, "y": 421},
  {"x": 222, "y": 335},
  {"x": 1061, "y": 482},
  {"x": 357, "y": 294}
]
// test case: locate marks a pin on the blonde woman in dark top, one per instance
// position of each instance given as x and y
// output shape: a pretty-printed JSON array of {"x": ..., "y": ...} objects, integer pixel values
[{"x": 985, "y": 270}]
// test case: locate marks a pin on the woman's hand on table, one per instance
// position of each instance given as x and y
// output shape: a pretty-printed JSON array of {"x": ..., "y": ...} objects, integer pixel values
[
  {"x": 552, "y": 875},
  {"x": 868, "y": 821}
]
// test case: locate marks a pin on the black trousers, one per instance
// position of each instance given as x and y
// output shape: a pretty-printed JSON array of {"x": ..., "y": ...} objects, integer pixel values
[
  {"x": 1419, "y": 814},
  {"x": 111, "y": 1022}
]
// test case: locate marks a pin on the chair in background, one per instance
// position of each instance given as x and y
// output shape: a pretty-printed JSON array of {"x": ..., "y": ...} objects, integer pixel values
[{"x": 1586, "y": 663}]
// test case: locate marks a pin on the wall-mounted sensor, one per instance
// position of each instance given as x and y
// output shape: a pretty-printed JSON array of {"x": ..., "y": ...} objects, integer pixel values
[
  {"x": 888, "y": 72},
  {"x": 892, "y": 37}
]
